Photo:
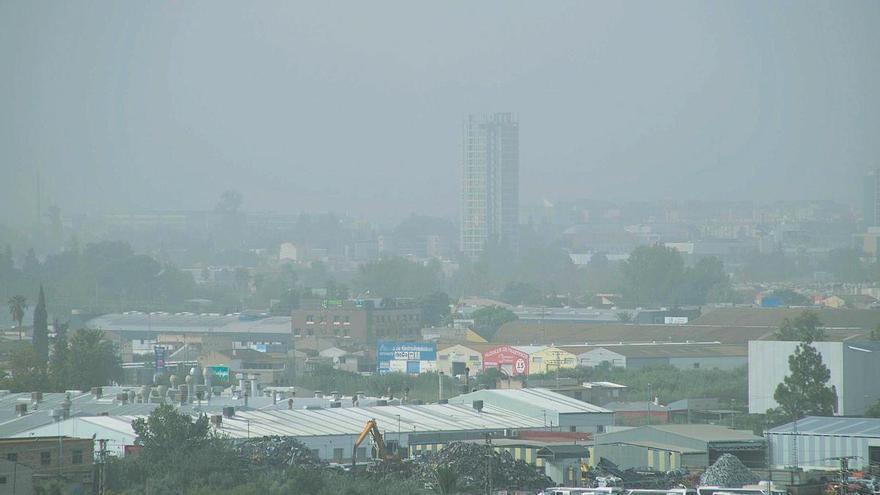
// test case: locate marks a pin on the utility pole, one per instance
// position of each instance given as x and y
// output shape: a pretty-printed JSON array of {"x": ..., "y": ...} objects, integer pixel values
[
  {"x": 102, "y": 473},
  {"x": 440, "y": 382},
  {"x": 490, "y": 451}
]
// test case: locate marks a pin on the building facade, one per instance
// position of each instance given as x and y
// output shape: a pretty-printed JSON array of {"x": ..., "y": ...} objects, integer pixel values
[
  {"x": 854, "y": 367},
  {"x": 489, "y": 182},
  {"x": 70, "y": 459},
  {"x": 346, "y": 323},
  {"x": 819, "y": 442}
]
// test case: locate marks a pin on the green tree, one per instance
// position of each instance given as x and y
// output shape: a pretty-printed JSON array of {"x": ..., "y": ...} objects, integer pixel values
[
  {"x": 521, "y": 293},
  {"x": 706, "y": 276},
  {"x": 40, "y": 337},
  {"x": 17, "y": 307},
  {"x": 488, "y": 320},
  {"x": 180, "y": 451},
  {"x": 92, "y": 360},
  {"x": 398, "y": 277},
  {"x": 27, "y": 372},
  {"x": 806, "y": 327},
  {"x": 435, "y": 307},
  {"x": 653, "y": 275},
  {"x": 58, "y": 361},
  {"x": 805, "y": 391}
]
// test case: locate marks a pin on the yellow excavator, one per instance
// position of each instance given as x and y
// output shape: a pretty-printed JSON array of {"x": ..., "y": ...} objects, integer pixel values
[{"x": 372, "y": 429}]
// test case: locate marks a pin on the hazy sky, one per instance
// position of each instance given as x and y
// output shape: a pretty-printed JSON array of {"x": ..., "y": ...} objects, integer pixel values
[{"x": 357, "y": 106}]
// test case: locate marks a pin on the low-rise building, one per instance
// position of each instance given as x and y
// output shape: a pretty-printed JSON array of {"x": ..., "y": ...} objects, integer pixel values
[
  {"x": 60, "y": 457},
  {"x": 547, "y": 359},
  {"x": 556, "y": 411},
  {"x": 266, "y": 368},
  {"x": 15, "y": 478},
  {"x": 680, "y": 355},
  {"x": 703, "y": 444},
  {"x": 638, "y": 413},
  {"x": 347, "y": 323},
  {"x": 454, "y": 359},
  {"x": 820, "y": 442}
]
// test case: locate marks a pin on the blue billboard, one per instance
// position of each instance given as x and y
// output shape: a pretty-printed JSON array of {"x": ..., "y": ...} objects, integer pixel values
[{"x": 406, "y": 357}]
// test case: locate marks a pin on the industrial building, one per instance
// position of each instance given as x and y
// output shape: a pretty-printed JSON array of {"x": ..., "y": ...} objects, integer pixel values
[
  {"x": 138, "y": 333},
  {"x": 554, "y": 410},
  {"x": 819, "y": 442},
  {"x": 638, "y": 413},
  {"x": 854, "y": 368},
  {"x": 672, "y": 446},
  {"x": 680, "y": 355},
  {"x": 354, "y": 322},
  {"x": 330, "y": 432}
]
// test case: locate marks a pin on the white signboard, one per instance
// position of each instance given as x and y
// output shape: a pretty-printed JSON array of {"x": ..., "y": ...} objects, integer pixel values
[{"x": 675, "y": 320}]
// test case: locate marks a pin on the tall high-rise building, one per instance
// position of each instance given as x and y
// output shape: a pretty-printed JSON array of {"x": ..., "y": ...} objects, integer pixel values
[
  {"x": 489, "y": 182},
  {"x": 871, "y": 199}
]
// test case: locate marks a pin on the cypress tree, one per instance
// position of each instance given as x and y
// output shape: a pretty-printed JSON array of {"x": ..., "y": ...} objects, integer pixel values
[{"x": 41, "y": 327}]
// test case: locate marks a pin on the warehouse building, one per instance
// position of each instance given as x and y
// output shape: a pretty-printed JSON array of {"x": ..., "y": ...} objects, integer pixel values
[
  {"x": 554, "y": 410},
  {"x": 819, "y": 443},
  {"x": 695, "y": 446},
  {"x": 138, "y": 333},
  {"x": 854, "y": 368},
  {"x": 330, "y": 433},
  {"x": 684, "y": 356}
]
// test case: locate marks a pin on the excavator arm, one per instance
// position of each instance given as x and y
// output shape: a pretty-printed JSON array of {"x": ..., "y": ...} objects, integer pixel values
[{"x": 372, "y": 429}]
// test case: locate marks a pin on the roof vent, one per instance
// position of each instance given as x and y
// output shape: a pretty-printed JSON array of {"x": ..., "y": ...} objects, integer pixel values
[
  {"x": 478, "y": 405},
  {"x": 443, "y": 401},
  {"x": 381, "y": 402},
  {"x": 21, "y": 409},
  {"x": 334, "y": 405},
  {"x": 229, "y": 411}
]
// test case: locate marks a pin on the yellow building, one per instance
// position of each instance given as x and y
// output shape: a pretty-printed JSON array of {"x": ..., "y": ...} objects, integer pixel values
[
  {"x": 547, "y": 359},
  {"x": 452, "y": 359}
]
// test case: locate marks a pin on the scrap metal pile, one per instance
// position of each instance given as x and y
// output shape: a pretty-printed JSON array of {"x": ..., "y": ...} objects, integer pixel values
[
  {"x": 276, "y": 452},
  {"x": 606, "y": 474},
  {"x": 728, "y": 471},
  {"x": 474, "y": 462}
]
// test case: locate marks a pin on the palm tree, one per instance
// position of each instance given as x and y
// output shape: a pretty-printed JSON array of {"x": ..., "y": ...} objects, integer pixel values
[{"x": 17, "y": 306}]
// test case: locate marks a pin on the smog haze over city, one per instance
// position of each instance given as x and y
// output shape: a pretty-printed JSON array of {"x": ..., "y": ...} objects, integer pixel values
[
  {"x": 458, "y": 248},
  {"x": 357, "y": 107}
]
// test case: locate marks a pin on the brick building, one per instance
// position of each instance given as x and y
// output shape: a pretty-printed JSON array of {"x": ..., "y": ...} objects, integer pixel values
[
  {"x": 71, "y": 459},
  {"x": 353, "y": 323}
]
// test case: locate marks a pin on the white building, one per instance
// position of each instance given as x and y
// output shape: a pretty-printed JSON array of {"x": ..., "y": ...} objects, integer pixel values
[{"x": 854, "y": 367}]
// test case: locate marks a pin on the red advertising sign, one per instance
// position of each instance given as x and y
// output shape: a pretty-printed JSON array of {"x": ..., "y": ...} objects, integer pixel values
[{"x": 508, "y": 359}]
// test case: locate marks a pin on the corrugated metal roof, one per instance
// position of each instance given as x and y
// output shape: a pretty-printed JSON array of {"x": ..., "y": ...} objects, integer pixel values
[
  {"x": 835, "y": 426},
  {"x": 345, "y": 421},
  {"x": 350, "y": 421},
  {"x": 189, "y": 322},
  {"x": 668, "y": 350},
  {"x": 636, "y": 406},
  {"x": 541, "y": 398},
  {"x": 708, "y": 433}
]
